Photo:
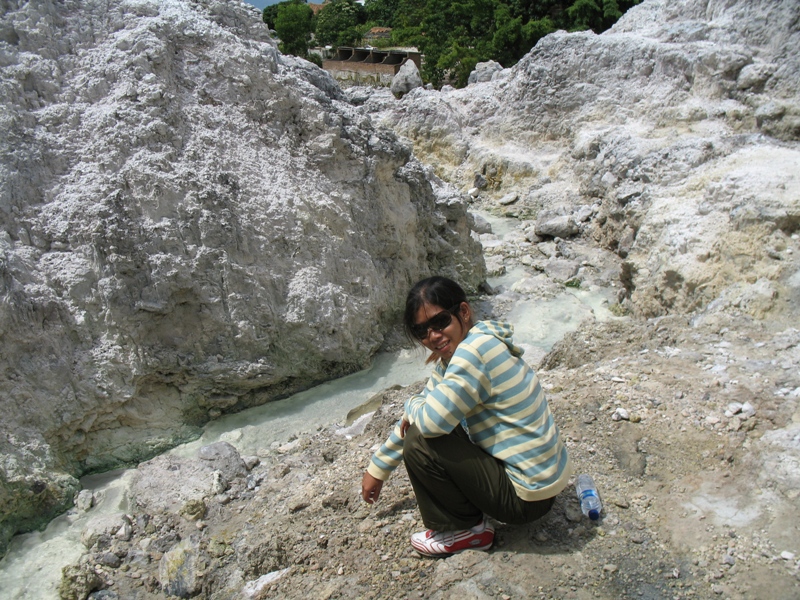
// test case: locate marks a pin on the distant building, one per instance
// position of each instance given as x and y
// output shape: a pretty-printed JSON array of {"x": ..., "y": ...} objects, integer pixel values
[
  {"x": 377, "y": 33},
  {"x": 368, "y": 66},
  {"x": 315, "y": 8}
]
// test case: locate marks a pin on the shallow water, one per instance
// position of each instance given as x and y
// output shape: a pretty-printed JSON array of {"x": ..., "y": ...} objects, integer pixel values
[{"x": 32, "y": 568}]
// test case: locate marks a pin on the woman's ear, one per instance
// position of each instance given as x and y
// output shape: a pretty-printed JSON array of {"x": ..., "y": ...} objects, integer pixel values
[{"x": 465, "y": 312}]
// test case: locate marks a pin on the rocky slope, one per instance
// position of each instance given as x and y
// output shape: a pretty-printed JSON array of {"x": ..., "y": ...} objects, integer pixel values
[
  {"x": 657, "y": 161},
  {"x": 680, "y": 124},
  {"x": 690, "y": 428},
  {"x": 190, "y": 224}
]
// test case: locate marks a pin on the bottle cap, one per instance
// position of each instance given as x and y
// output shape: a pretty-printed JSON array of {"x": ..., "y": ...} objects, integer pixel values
[{"x": 594, "y": 514}]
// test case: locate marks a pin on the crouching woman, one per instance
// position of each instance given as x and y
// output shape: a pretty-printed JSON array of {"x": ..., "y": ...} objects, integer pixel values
[{"x": 480, "y": 439}]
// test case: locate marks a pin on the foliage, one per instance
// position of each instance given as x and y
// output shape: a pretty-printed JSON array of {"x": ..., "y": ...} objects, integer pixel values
[
  {"x": 454, "y": 35},
  {"x": 382, "y": 12},
  {"x": 269, "y": 14},
  {"x": 294, "y": 24},
  {"x": 337, "y": 23}
]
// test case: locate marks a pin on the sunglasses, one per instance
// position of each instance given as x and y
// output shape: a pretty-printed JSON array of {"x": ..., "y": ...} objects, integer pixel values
[{"x": 437, "y": 322}]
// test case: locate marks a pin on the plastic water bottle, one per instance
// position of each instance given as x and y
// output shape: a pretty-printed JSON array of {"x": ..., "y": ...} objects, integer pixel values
[{"x": 587, "y": 494}]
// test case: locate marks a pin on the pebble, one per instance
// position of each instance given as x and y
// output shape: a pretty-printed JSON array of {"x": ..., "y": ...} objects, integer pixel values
[
  {"x": 638, "y": 538},
  {"x": 620, "y": 414},
  {"x": 785, "y": 555}
]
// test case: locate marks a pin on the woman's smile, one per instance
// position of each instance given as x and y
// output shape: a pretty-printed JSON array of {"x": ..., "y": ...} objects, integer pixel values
[{"x": 443, "y": 343}]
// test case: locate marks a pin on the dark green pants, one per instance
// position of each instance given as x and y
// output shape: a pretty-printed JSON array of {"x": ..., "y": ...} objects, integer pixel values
[{"x": 456, "y": 482}]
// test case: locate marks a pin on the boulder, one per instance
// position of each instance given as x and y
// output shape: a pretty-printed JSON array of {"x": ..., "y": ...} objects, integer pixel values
[
  {"x": 562, "y": 226},
  {"x": 406, "y": 79},
  {"x": 190, "y": 224},
  {"x": 484, "y": 71}
]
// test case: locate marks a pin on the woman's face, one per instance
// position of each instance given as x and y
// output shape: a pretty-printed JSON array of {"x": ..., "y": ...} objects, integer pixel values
[{"x": 444, "y": 343}]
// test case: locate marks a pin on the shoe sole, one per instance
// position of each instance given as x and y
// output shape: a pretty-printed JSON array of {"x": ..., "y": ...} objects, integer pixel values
[{"x": 446, "y": 554}]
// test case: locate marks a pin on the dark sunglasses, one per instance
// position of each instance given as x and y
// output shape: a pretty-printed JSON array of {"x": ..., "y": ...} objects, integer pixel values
[{"x": 437, "y": 322}]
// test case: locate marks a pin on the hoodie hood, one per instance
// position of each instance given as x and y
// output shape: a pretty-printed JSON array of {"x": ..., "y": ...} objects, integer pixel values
[{"x": 502, "y": 331}]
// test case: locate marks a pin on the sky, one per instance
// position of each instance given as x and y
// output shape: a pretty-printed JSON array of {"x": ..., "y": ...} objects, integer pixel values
[{"x": 262, "y": 3}]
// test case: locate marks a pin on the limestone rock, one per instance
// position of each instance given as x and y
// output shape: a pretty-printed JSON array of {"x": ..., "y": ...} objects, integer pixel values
[
  {"x": 484, "y": 71},
  {"x": 562, "y": 226},
  {"x": 672, "y": 124},
  {"x": 406, "y": 79},
  {"x": 190, "y": 224}
]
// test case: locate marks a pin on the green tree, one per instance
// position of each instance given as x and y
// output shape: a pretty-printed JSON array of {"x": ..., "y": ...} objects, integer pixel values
[
  {"x": 381, "y": 13},
  {"x": 294, "y": 24},
  {"x": 269, "y": 14},
  {"x": 337, "y": 23}
]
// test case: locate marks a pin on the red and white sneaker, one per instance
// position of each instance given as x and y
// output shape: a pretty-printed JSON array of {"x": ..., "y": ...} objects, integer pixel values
[{"x": 445, "y": 543}]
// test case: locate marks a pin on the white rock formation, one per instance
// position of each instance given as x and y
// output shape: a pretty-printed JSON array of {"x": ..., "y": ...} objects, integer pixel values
[
  {"x": 406, "y": 79},
  {"x": 484, "y": 71},
  {"x": 681, "y": 122},
  {"x": 190, "y": 223}
]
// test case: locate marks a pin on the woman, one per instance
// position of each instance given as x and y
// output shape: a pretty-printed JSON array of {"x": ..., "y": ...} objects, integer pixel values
[{"x": 480, "y": 439}]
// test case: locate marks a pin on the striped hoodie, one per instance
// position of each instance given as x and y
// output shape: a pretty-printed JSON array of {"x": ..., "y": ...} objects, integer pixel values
[{"x": 496, "y": 396}]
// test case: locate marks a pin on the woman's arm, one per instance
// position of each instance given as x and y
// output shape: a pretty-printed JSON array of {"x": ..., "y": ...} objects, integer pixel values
[{"x": 464, "y": 384}]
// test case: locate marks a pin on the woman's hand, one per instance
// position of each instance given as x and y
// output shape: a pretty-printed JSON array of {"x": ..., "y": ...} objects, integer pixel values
[
  {"x": 404, "y": 427},
  {"x": 370, "y": 488}
]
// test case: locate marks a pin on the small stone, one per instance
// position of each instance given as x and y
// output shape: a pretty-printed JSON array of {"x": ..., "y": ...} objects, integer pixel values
[
  {"x": 250, "y": 462},
  {"x": 125, "y": 532},
  {"x": 728, "y": 560},
  {"x": 509, "y": 199},
  {"x": 748, "y": 410},
  {"x": 734, "y": 408},
  {"x": 610, "y": 568},
  {"x": 573, "y": 513},
  {"x": 620, "y": 415},
  {"x": 786, "y": 555},
  {"x": 298, "y": 505},
  {"x": 84, "y": 500},
  {"x": 108, "y": 559},
  {"x": 366, "y": 525}
]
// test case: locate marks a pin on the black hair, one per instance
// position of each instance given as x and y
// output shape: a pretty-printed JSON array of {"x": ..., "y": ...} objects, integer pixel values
[{"x": 439, "y": 291}]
